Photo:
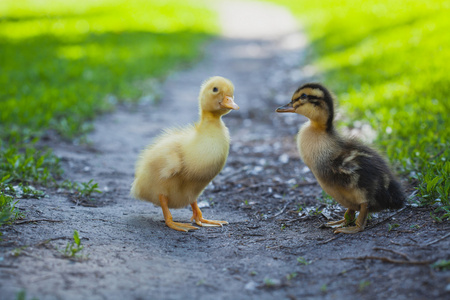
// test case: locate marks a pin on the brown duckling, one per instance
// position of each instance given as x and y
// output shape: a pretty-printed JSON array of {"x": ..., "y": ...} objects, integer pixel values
[
  {"x": 354, "y": 174},
  {"x": 176, "y": 168}
]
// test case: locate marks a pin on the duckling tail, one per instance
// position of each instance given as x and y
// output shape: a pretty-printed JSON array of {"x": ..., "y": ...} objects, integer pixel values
[{"x": 397, "y": 198}]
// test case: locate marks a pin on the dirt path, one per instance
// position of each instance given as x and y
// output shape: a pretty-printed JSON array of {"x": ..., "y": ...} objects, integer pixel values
[{"x": 269, "y": 250}]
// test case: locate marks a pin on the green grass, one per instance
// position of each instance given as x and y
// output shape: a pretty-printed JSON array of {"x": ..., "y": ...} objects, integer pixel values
[
  {"x": 64, "y": 62},
  {"x": 72, "y": 248},
  {"x": 387, "y": 62},
  {"x": 442, "y": 265},
  {"x": 301, "y": 260}
]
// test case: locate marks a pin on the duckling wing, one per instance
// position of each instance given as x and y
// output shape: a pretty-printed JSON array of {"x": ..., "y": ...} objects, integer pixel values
[
  {"x": 347, "y": 163},
  {"x": 340, "y": 170},
  {"x": 357, "y": 167},
  {"x": 164, "y": 158},
  {"x": 348, "y": 166},
  {"x": 171, "y": 164}
]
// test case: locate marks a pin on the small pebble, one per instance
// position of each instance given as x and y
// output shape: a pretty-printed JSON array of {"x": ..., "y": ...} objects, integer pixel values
[{"x": 251, "y": 286}]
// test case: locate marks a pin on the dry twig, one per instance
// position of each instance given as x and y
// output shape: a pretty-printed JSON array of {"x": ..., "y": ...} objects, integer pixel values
[
  {"x": 281, "y": 211},
  {"x": 36, "y": 220},
  {"x": 198, "y": 238},
  {"x": 436, "y": 240},
  {"x": 253, "y": 234},
  {"x": 329, "y": 240},
  {"x": 52, "y": 239},
  {"x": 387, "y": 218},
  {"x": 9, "y": 266},
  {"x": 389, "y": 260},
  {"x": 393, "y": 251}
]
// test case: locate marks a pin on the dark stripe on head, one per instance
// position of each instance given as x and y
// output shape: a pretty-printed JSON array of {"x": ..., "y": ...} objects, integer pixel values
[{"x": 328, "y": 98}]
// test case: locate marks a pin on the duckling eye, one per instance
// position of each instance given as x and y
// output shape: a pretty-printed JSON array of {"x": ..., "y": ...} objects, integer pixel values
[
  {"x": 215, "y": 90},
  {"x": 303, "y": 96}
]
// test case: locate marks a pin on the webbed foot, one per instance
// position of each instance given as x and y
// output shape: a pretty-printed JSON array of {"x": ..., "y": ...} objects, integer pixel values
[
  {"x": 163, "y": 200},
  {"x": 351, "y": 229},
  {"x": 349, "y": 218},
  {"x": 198, "y": 218},
  {"x": 180, "y": 226},
  {"x": 335, "y": 224},
  {"x": 360, "y": 221}
]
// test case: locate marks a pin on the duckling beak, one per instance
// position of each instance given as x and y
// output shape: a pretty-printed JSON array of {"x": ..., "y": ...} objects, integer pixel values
[
  {"x": 285, "y": 108},
  {"x": 228, "y": 102}
]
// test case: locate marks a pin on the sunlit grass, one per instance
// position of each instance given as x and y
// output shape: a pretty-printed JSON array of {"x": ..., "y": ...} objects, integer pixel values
[
  {"x": 63, "y": 62},
  {"x": 60, "y": 59},
  {"x": 387, "y": 62},
  {"x": 72, "y": 18}
]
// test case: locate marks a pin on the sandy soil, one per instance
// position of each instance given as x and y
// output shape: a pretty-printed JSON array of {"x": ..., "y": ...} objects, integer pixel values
[{"x": 270, "y": 250}]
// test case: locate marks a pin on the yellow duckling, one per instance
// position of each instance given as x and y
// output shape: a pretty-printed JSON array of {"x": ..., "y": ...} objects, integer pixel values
[
  {"x": 352, "y": 173},
  {"x": 176, "y": 168}
]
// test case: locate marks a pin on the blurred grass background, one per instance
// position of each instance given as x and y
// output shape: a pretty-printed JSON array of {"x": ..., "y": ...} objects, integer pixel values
[
  {"x": 60, "y": 59},
  {"x": 387, "y": 63},
  {"x": 63, "y": 62}
]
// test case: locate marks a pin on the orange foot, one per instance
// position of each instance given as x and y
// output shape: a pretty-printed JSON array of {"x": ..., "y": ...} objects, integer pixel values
[
  {"x": 360, "y": 221},
  {"x": 197, "y": 216},
  {"x": 335, "y": 224},
  {"x": 351, "y": 229},
  {"x": 180, "y": 226},
  {"x": 163, "y": 200},
  {"x": 349, "y": 218}
]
